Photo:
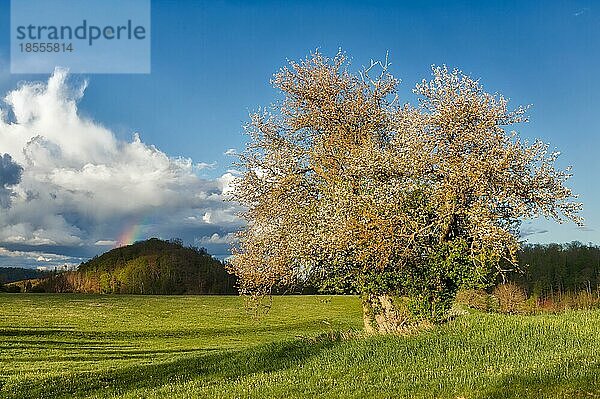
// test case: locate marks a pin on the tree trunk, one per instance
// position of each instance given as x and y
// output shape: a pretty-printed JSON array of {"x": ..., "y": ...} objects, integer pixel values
[{"x": 381, "y": 315}]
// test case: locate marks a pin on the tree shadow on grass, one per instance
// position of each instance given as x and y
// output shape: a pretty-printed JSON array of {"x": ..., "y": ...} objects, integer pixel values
[
  {"x": 95, "y": 356},
  {"x": 33, "y": 331},
  {"x": 17, "y": 332},
  {"x": 212, "y": 366},
  {"x": 581, "y": 381}
]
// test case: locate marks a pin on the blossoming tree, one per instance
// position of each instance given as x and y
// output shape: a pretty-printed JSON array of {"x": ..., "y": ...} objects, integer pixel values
[{"x": 408, "y": 202}]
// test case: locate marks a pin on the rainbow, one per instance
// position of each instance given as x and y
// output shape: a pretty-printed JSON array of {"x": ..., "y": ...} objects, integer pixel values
[{"x": 131, "y": 233}]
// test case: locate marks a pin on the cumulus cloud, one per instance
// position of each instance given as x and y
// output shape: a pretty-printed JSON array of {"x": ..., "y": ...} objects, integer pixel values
[
  {"x": 231, "y": 152},
  {"x": 72, "y": 183},
  {"x": 218, "y": 239}
]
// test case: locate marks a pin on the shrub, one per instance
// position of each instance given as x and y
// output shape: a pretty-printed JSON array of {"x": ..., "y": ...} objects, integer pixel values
[
  {"x": 511, "y": 298},
  {"x": 477, "y": 299}
]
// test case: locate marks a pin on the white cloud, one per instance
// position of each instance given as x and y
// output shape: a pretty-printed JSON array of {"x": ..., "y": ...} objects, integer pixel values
[
  {"x": 231, "y": 152},
  {"x": 218, "y": 239},
  {"x": 102, "y": 243},
  {"x": 204, "y": 165},
  {"x": 80, "y": 186},
  {"x": 226, "y": 183},
  {"x": 34, "y": 255}
]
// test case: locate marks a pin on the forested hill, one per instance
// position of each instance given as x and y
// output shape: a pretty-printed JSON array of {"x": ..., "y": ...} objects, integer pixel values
[
  {"x": 118, "y": 258},
  {"x": 147, "y": 267}
]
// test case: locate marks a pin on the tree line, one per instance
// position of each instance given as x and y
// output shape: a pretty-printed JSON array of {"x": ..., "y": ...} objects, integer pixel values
[
  {"x": 555, "y": 269},
  {"x": 162, "y": 267}
]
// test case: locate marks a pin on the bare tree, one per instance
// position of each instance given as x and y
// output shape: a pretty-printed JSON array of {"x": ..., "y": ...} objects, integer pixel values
[{"x": 411, "y": 201}]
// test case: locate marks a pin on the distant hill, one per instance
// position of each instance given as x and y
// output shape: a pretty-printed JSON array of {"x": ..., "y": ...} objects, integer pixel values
[
  {"x": 10, "y": 274},
  {"x": 147, "y": 267}
]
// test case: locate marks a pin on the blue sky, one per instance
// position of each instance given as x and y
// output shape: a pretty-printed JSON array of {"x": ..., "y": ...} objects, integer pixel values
[{"x": 212, "y": 61}]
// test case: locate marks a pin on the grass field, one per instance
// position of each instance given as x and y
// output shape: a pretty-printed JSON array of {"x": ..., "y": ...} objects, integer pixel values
[{"x": 197, "y": 346}]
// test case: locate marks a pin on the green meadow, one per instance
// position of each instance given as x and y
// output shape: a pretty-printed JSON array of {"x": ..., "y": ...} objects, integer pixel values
[{"x": 109, "y": 346}]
